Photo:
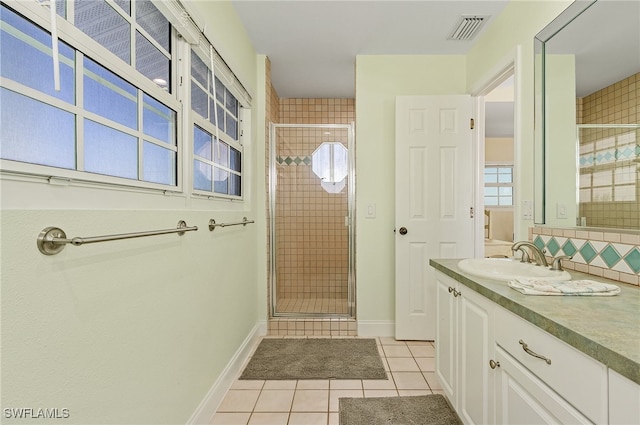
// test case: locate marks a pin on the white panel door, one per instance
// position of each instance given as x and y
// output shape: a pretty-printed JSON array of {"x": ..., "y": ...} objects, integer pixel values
[{"x": 434, "y": 194}]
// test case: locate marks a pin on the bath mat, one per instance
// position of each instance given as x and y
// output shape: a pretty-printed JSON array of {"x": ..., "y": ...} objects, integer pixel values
[
  {"x": 413, "y": 410},
  {"x": 322, "y": 358}
]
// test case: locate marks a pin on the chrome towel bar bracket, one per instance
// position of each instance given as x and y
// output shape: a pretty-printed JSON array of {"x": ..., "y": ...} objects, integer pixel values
[
  {"x": 52, "y": 240},
  {"x": 213, "y": 224}
]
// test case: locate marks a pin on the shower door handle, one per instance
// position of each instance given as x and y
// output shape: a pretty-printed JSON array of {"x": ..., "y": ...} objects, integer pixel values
[{"x": 403, "y": 231}]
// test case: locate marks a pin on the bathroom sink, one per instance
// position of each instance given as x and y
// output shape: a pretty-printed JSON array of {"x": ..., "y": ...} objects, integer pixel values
[{"x": 508, "y": 269}]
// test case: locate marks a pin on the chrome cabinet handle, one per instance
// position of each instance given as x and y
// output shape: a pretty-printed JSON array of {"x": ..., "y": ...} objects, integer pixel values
[
  {"x": 527, "y": 350},
  {"x": 493, "y": 364}
]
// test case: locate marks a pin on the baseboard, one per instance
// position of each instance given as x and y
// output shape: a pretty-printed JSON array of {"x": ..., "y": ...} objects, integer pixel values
[
  {"x": 370, "y": 328},
  {"x": 207, "y": 408}
]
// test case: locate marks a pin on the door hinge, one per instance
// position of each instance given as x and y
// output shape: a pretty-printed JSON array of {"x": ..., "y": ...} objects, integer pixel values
[
  {"x": 472, "y": 123},
  {"x": 471, "y": 212}
]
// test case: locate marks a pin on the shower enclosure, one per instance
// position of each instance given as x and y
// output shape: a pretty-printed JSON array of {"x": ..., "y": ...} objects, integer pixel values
[{"x": 311, "y": 202}]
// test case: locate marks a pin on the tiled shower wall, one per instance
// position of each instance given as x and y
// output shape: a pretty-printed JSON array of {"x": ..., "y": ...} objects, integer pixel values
[
  {"x": 610, "y": 254},
  {"x": 613, "y": 149},
  {"x": 310, "y": 228},
  {"x": 312, "y": 238}
]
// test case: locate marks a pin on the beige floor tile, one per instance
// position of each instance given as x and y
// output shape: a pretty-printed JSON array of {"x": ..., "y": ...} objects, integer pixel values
[
  {"x": 223, "y": 418},
  {"x": 334, "y": 418},
  {"x": 280, "y": 385},
  {"x": 422, "y": 351},
  {"x": 410, "y": 381},
  {"x": 396, "y": 351},
  {"x": 311, "y": 401},
  {"x": 239, "y": 401},
  {"x": 426, "y": 364},
  {"x": 390, "y": 341},
  {"x": 334, "y": 395},
  {"x": 274, "y": 401},
  {"x": 265, "y": 418},
  {"x": 414, "y": 343},
  {"x": 245, "y": 384},
  {"x": 378, "y": 384},
  {"x": 414, "y": 392},
  {"x": 403, "y": 364},
  {"x": 299, "y": 418},
  {"x": 380, "y": 393},
  {"x": 345, "y": 384},
  {"x": 313, "y": 384},
  {"x": 433, "y": 381}
]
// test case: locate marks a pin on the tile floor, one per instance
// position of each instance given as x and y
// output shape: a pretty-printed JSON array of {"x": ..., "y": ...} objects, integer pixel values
[{"x": 410, "y": 366}]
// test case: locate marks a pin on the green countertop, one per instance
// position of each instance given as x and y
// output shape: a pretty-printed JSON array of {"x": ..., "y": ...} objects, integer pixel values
[{"x": 605, "y": 328}]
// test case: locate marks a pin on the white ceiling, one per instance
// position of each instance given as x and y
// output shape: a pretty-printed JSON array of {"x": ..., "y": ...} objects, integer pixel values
[{"x": 312, "y": 44}]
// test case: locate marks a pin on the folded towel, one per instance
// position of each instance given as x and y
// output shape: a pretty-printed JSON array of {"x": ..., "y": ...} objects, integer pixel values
[{"x": 570, "y": 287}]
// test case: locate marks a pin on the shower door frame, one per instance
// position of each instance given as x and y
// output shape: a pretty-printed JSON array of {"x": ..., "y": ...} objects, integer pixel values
[{"x": 350, "y": 219}]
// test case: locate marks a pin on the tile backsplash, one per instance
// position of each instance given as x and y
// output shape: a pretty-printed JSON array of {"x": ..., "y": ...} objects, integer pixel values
[{"x": 610, "y": 254}]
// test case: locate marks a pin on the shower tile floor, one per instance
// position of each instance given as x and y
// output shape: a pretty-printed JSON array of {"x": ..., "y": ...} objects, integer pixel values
[
  {"x": 312, "y": 305},
  {"x": 410, "y": 366}
]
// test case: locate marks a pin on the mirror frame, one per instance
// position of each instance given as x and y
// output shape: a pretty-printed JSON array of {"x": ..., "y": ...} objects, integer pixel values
[{"x": 540, "y": 128}]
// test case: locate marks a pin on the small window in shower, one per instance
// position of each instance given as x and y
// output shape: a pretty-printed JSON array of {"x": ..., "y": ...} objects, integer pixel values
[{"x": 330, "y": 163}]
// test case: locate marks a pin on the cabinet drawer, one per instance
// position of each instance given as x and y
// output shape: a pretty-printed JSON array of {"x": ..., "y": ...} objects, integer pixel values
[{"x": 578, "y": 378}]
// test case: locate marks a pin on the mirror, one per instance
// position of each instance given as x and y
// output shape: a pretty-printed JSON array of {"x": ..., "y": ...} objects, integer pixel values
[{"x": 587, "y": 141}]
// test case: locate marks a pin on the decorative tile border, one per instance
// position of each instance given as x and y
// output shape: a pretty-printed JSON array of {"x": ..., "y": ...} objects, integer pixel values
[
  {"x": 607, "y": 254},
  {"x": 293, "y": 160}
]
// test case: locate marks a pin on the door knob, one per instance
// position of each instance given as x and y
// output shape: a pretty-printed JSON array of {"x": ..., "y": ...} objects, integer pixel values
[{"x": 403, "y": 230}]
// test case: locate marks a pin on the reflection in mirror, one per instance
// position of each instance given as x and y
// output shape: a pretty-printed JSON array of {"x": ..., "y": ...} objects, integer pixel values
[{"x": 587, "y": 80}]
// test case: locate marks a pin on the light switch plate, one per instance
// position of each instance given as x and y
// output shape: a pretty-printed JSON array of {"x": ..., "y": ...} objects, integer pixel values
[
  {"x": 527, "y": 210},
  {"x": 371, "y": 211}
]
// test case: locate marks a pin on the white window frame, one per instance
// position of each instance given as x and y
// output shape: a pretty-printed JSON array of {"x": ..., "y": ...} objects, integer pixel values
[
  {"x": 498, "y": 185},
  {"x": 185, "y": 34}
]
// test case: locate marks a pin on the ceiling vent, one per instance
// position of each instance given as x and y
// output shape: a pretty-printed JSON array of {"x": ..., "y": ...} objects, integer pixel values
[{"x": 467, "y": 27}]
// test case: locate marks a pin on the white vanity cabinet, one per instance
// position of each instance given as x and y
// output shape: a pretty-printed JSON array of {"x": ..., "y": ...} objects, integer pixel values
[
  {"x": 464, "y": 339},
  {"x": 542, "y": 380},
  {"x": 624, "y": 400}
]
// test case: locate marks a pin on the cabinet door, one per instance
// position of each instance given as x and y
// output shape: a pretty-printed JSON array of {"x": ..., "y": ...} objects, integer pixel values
[
  {"x": 474, "y": 345},
  {"x": 446, "y": 331},
  {"x": 521, "y": 398},
  {"x": 624, "y": 400}
]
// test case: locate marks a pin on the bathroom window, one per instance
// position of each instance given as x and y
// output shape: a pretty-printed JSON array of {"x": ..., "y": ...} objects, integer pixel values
[
  {"x": 498, "y": 186},
  {"x": 217, "y": 152},
  {"x": 108, "y": 121},
  {"x": 330, "y": 163}
]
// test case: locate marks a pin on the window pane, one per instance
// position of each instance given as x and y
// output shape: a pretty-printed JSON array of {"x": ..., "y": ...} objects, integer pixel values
[
  {"x": 504, "y": 171},
  {"x": 221, "y": 181},
  {"x": 202, "y": 176},
  {"x": 506, "y": 201},
  {"x": 125, "y": 5},
  {"x": 220, "y": 89},
  {"x": 199, "y": 101},
  {"x": 108, "y": 151},
  {"x": 109, "y": 96},
  {"x": 490, "y": 191},
  {"x": 152, "y": 63},
  {"x": 102, "y": 23},
  {"x": 24, "y": 46},
  {"x": 506, "y": 191},
  {"x": 158, "y": 120},
  {"x": 234, "y": 185},
  {"x": 159, "y": 164},
  {"x": 154, "y": 23},
  {"x": 235, "y": 160},
  {"x": 490, "y": 201},
  {"x": 232, "y": 104},
  {"x": 202, "y": 143},
  {"x": 221, "y": 153},
  {"x": 199, "y": 70},
  {"x": 232, "y": 127},
  {"x": 490, "y": 178},
  {"x": 35, "y": 132}
]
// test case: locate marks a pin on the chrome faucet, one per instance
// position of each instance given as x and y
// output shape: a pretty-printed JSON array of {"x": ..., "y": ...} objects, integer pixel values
[{"x": 538, "y": 254}]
